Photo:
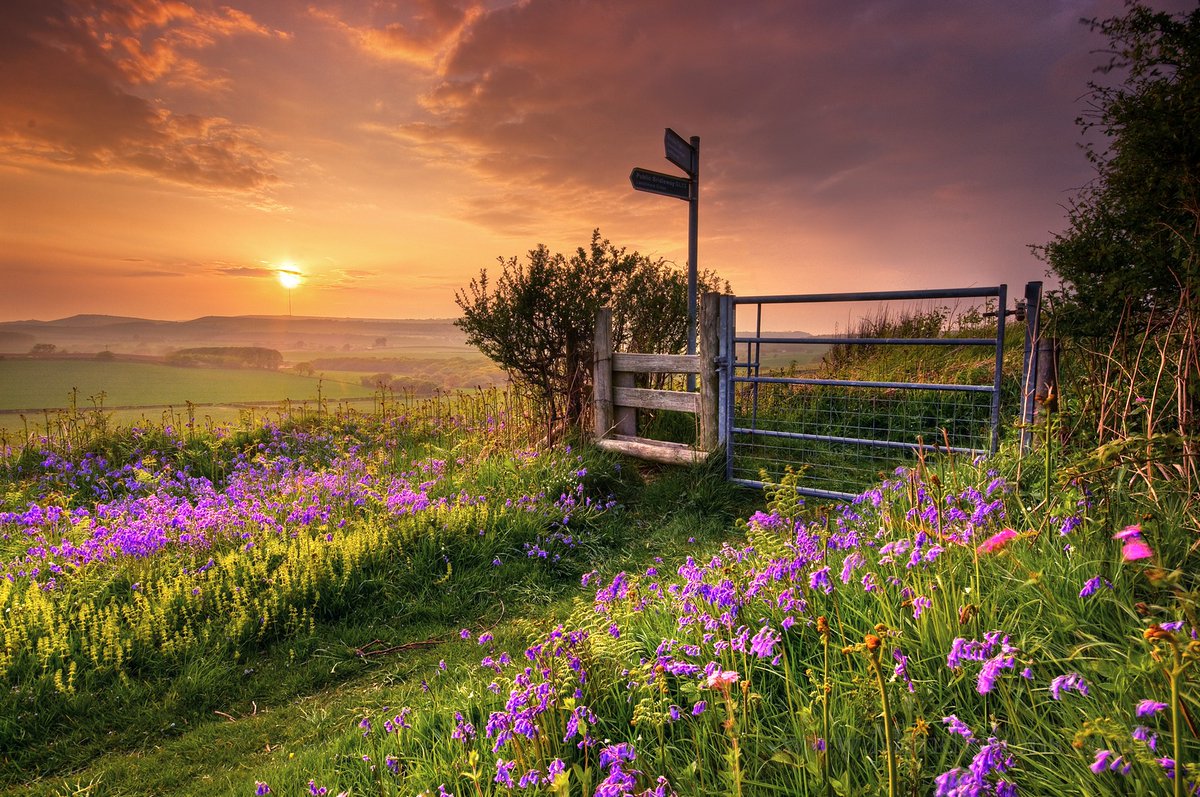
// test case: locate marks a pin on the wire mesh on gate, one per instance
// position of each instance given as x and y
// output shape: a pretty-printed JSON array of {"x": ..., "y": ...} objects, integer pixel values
[{"x": 844, "y": 434}]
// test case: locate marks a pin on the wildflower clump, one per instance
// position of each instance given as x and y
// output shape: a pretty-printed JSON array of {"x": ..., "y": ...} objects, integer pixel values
[{"x": 716, "y": 675}]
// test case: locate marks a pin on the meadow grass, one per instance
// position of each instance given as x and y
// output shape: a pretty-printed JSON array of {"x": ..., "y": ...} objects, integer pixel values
[
  {"x": 61, "y": 384},
  {"x": 317, "y": 608},
  {"x": 931, "y": 636},
  {"x": 153, "y": 577}
]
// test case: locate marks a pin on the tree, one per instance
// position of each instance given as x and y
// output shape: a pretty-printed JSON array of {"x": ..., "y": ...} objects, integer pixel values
[
  {"x": 538, "y": 320},
  {"x": 1131, "y": 249},
  {"x": 1129, "y": 260}
]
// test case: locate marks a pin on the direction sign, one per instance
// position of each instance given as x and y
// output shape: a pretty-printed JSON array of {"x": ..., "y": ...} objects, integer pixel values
[
  {"x": 659, "y": 183},
  {"x": 680, "y": 152}
]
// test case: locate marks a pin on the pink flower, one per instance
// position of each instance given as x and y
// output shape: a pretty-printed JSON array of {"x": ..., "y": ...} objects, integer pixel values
[
  {"x": 1127, "y": 532},
  {"x": 721, "y": 679},
  {"x": 1135, "y": 548},
  {"x": 997, "y": 541}
]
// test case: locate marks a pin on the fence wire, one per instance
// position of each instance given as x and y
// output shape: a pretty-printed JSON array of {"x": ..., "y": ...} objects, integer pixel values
[
  {"x": 844, "y": 438},
  {"x": 844, "y": 433}
]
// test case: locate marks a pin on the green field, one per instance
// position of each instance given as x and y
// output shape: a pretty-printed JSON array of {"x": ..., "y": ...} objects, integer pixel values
[{"x": 35, "y": 385}]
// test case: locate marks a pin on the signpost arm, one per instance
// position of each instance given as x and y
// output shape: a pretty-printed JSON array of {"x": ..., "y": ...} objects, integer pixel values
[{"x": 693, "y": 222}]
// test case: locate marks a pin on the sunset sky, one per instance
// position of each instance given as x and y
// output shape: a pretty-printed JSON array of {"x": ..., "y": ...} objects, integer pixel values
[{"x": 167, "y": 159}]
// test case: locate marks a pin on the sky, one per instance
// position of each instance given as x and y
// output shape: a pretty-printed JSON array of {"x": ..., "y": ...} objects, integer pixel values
[{"x": 168, "y": 158}]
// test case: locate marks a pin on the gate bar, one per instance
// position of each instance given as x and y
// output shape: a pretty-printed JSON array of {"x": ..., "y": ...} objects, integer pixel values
[
  {"x": 866, "y": 296},
  {"x": 837, "y": 340},
  {"x": 787, "y": 380},
  {"x": 862, "y": 441}
]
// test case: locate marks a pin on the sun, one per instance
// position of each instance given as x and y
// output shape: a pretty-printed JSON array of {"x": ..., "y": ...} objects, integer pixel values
[{"x": 288, "y": 276}]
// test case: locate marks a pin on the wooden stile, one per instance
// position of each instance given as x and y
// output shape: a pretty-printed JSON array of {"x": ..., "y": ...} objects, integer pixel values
[{"x": 616, "y": 399}]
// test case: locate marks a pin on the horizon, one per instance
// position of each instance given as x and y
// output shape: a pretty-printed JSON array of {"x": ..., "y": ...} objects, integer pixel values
[{"x": 192, "y": 159}]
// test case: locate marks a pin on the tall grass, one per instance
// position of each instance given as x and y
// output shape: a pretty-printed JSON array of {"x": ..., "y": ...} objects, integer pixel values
[
  {"x": 922, "y": 638},
  {"x": 129, "y": 556},
  {"x": 1020, "y": 625}
]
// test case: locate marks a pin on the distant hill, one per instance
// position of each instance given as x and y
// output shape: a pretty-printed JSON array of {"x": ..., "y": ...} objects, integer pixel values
[{"x": 95, "y": 333}]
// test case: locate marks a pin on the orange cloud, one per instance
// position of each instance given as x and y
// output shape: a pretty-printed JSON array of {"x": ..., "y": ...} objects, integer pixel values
[
  {"x": 67, "y": 101},
  {"x": 834, "y": 110},
  {"x": 148, "y": 40},
  {"x": 434, "y": 28}
]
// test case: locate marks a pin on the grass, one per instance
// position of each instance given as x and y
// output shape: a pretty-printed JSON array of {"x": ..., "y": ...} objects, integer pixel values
[
  {"x": 961, "y": 627},
  {"x": 115, "y": 638},
  {"x": 59, "y": 384}
]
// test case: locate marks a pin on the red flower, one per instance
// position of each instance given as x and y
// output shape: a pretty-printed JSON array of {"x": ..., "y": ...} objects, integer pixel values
[{"x": 997, "y": 541}]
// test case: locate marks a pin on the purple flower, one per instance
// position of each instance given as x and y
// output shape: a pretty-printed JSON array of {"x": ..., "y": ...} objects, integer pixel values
[
  {"x": 992, "y": 757},
  {"x": 1146, "y": 708},
  {"x": 901, "y": 668},
  {"x": 819, "y": 579},
  {"x": 616, "y": 754},
  {"x": 504, "y": 772},
  {"x": 1093, "y": 584},
  {"x": 852, "y": 563},
  {"x": 1071, "y": 680},
  {"x": 763, "y": 643},
  {"x": 261, "y": 788},
  {"x": 1129, "y": 532},
  {"x": 1101, "y": 762},
  {"x": 463, "y": 730},
  {"x": 1143, "y": 734},
  {"x": 698, "y": 709},
  {"x": 958, "y": 726},
  {"x": 991, "y": 671}
]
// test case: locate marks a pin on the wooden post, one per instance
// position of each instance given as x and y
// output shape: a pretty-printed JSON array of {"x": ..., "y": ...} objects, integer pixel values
[
  {"x": 709, "y": 380},
  {"x": 602, "y": 382},
  {"x": 1046, "y": 385},
  {"x": 626, "y": 417}
]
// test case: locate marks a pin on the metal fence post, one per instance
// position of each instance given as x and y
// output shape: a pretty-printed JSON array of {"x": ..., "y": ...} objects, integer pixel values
[
  {"x": 709, "y": 374},
  {"x": 1029, "y": 360},
  {"x": 729, "y": 355},
  {"x": 1001, "y": 314}
]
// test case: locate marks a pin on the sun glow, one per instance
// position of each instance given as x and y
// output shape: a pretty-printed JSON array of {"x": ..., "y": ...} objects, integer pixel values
[{"x": 288, "y": 276}]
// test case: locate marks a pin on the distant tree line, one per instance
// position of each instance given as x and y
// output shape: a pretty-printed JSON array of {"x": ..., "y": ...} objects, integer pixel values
[{"x": 226, "y": 357}]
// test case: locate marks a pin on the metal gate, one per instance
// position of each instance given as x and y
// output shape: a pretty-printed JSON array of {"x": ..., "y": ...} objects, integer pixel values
[{"x": 845, "y": 433}]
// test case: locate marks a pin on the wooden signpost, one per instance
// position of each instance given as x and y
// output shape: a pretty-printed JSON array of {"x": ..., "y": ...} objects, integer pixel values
[{"x": 685, "y": 155}]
